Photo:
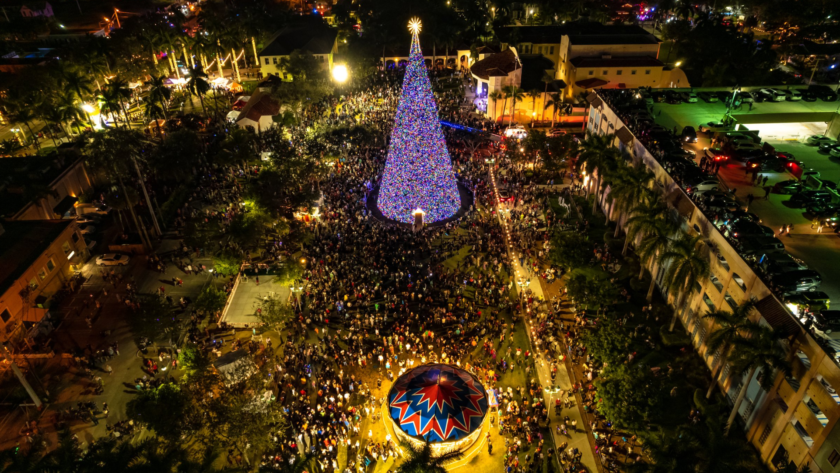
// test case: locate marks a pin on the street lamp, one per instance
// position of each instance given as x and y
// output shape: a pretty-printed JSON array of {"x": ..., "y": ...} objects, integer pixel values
[
  {"x": 678, "y": 63},
  {"x": 339, "y": 73}
]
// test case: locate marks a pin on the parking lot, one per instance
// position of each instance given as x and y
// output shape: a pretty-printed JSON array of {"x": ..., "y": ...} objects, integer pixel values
[{"x": 820, "y": 251}]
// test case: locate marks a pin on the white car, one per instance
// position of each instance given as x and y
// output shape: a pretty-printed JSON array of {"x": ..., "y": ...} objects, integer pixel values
[
  {"x": 112, "y": 259},
  {"x": 834, "y": 152},
  {"x": 517, "y": 132},
  {"x": 793, "y": 95},
  {"x": 711, "y": 127},
  {"x": 689, "y": 97},
  {"x": 87, "y": 229},
  {"x": 773, "y": 94},
  {"x": 704, "y": 186},
  {"x": 816, "y": 140},
  {"x": 745, "y": 145},
  {"x": 746, "y": 97}
]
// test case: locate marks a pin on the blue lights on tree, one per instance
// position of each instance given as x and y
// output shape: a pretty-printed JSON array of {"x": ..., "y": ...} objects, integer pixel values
[{"x": 418, "y": 173}]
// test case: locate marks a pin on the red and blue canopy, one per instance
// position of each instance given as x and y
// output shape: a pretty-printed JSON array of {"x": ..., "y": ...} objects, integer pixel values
[{"x": 437, "y": 403}]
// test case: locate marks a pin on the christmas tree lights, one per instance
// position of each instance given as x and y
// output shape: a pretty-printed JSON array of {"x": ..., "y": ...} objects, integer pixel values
[{"x": 418, "y": 173}]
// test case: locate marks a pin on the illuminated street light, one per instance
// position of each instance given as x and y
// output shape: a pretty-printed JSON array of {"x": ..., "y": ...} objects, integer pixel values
[
  {"x": 678, "y": 63},
  {"x": 340, "y": 74},
  {"x": 88, "y": 107}
]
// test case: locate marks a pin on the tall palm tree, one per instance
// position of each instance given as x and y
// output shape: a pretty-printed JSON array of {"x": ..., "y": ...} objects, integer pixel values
[
  {"x": 534, "y": 95},
  {"x": 23, "y": 114},
  {"x": 554, "y": 101},
  {"x": 730, "y": 326},
  {"x": 646, "y": 214},
  {"x": 495, "y": 96},
  {"x": 66, "y": 104},
  {"x": 656, "y": 242},
  {"x": 422, "y": 460},
  {"x": 687, "y": 264},
  {"x": 514, "y": 93},
  {"x": 197, "y": 85},
  {"x": 153, "y": 111},
  {"x": 119, "y": 88},
  {"x": 631, "y": 186},
  {"x": 760, "y": 353},
  {"x": 81, "y": 86},
  {"x": 599, "y": 154},
  {"x": 548, "y": 79},
  {"x": 159, "y": 92},
  {"x": 110, "y": 102}
]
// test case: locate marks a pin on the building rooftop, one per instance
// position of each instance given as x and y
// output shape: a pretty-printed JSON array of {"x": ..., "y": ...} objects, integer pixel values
[
  {"x": 313, "y": 39},
  {"x": 605, "y": 39},
  {"x": 23, "y": 242},
  {"x": 496, "y": 65},
  {"x": 260, "y": 105},
  {"x": 534, "y": 68},
  {"x": 552, "y": 33},
  {"x": 18, "y": 175},
  {"x": 626, "y": 61}
]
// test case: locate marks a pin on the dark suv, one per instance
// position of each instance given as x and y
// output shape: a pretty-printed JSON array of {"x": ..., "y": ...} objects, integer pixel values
[{"x": 823, "y": 92}]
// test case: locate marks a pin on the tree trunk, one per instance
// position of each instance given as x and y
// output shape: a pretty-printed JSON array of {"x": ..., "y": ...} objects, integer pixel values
[
  {"x": 678, "y": 307},
  {"x": 512, "y": 111},
  {"x": 235, "y": 65},
  {"x": 617, "y": 225},
  {"x": 738, "y": 401},
  {"x": 717, "y": 372},
  {"x": 597, "y": 189},
  {"x": 553, "y": 114},
  {"x": 146, "y": 193},
  {"x": 654, "y": 272},
  {"x": 626, "y": 243},
  {"x": 504, "y": 107},
  {"x": 130, "y": 206}
]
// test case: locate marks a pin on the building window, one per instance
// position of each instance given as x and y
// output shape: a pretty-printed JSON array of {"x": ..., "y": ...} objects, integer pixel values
[
  {"x": 285, "y": 76},
  {"x": 42, "y": 274},
  {"x": 591, "y": 73},
  {"x": 5, "y": 315},
  {"x": 834, "y": 457},
  {"x": 633, "y": 72},
  {"x": 551, "y": 50},
  {"x": 647, "y": 72},
  {"x": 321, "y": 59},
  {"x": 709, "y": 303},
  {"x": 50, "y": 265},
  {"x": 267, "y": 61},
  {"x": 274, "y": 60},
  {"x": 33, "y": 283},
  {"x": 66, "y": 247},
  {"x": 539, "y": 49},
  {"x": 618, "y": 72}
]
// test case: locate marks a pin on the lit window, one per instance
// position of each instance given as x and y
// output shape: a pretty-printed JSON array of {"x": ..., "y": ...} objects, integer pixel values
[
  {"x": 33, "y": 283},
  {"x": 42, "y": 274},
  {"x": 66, "y": 247}
]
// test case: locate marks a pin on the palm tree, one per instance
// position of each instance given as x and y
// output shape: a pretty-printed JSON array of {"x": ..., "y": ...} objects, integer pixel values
[
  {"x": 547, "y": 79},
  {"x": 655, "y": 242},
  {"x": 514, "y": 93},
  {"x": 119, "y": 88},
  {"x": 154, "y": 111},
  {"x": 24, "y": 114},
  {"x": 81, "y": 85},
  {"x": 534, "y": 95},
  {"x": 554, "y": 101},
  {"x": 495, "y": 96},
  {"x": 66, "y": 105},
  {"x": 645, "y": 215},
  {"x": 687, "y": 264},
  {"x": 760, "y": 353},
  {"x": 599, "y": 154},
  {"x": 159, "y": 92},
  {"x": 110, "y": 102},
  {"x": 422, "y": 460},
  {"x": 730, "y": 327},
  {"x": 39, "y": 193},
  {"x": 197, "y": 85},
  {"x": 630, "y": 187}
]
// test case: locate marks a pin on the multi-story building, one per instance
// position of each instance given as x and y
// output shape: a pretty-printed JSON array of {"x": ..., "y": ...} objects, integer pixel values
[
  {"x": 581, "y": 58},
  {"x": 37, "y": 257},
  {"x": 321, "y": 42},
  {"x": 797, "y": 419},
  {"x": 42, "y": 187}
]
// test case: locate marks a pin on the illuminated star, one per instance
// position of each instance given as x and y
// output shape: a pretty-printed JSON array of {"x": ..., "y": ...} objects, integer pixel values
[{"x": 414, "y": 25}]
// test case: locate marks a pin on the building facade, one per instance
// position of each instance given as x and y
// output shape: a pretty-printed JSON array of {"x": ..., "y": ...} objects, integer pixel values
[
  {"x": 63, "y": 174},
  {"x": 37, "y": 258},
  {"x": 320, "y": 42},
  {"x": 797, "y": 418}
]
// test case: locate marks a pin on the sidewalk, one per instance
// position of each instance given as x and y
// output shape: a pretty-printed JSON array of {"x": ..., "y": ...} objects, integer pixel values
[{"x": 581, "y": 438}]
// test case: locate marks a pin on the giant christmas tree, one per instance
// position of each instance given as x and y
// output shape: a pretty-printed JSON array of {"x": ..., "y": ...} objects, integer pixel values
[{"x": 418, "y": 172}]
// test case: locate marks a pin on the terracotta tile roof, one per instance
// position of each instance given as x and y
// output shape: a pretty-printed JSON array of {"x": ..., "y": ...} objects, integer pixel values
[
  {"x": 496, "y": 65},
  {"x": 259, "y": 106},
  {"x": 314, "y": 40},
  {"x": 677, "y": 199},
  {"x": 591, "y": 83},
  {"x": 624, "y": 135}
]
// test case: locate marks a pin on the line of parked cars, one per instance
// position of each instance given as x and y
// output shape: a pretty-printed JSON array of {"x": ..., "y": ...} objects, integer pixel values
[
  {"x": 827, "y": 145},
  {"x": 811, "y": 94}
]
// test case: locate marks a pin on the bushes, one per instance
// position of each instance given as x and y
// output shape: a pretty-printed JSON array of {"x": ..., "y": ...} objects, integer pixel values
[
  {"x": 175, "y": 201},
  {"x": 677, "y": 338},
  {"x": 570, "y": 250}
]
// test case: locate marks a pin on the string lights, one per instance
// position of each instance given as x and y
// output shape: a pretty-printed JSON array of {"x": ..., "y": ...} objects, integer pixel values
[{"x": 418, "y": 173}]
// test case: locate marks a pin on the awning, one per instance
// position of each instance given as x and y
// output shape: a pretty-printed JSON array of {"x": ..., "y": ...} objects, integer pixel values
[
  {"x": 65, "y": 205},
  {"x": 591, "y": 83},
  {"x": 677, "y": 199},
  {"x": 624, "y": 135}
]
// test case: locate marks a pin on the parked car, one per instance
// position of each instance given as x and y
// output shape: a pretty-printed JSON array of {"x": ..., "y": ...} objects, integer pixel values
[
  {"x": 791, "y": 186},
  {"x": 689, "y": 97},
  {"x": 708, "y": 97},
  {"x": 834, "y": 151},
  {"x": 518, "y": 132},
  {"x": 745, "y": 97},
  {"x": 711, "y": 127},
  {"x": 715, "y": 154},
  {"x": 809, "y": 96},
  {"x": 689, "y": 135},
  {"x": 778, "y": 263},
  {"x": 792, "y": 95},
  {"x": 823, "y": 92},
  {"x": 773, "y": 95},
  {"x": 112, "y": 259},
  {"x": 803, "y": 199},
  {"x": 766, "y": 163},
  {"x": 816, "y": 140},
  {"x": 743, "y": 228},
  {"x": 802, "y": 280},
  {"x": 747, "y": 154},
  {"x": 825, "y": 146},
  {"x": 741, "y": 145},
  {"x": 758, "y": 246},
  {"x": 703, "y": 186}
]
